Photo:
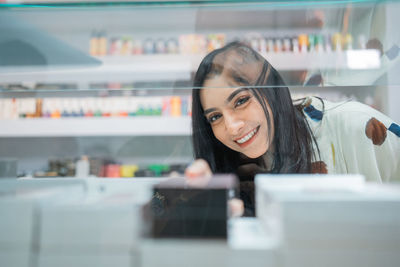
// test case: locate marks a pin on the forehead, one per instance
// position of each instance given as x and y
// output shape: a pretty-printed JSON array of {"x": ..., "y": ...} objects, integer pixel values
[
  {"x": 215, "y": 92},
  {"x": 236, "y": 68},
  {"x": 229, "y": 71}
]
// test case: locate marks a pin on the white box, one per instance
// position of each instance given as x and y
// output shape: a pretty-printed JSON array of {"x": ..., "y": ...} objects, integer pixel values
[
  {"x": 252, "y": 245},
  {"x": 104, "y": 229},
  {"x": 19, "y": 223},
  {"x": 334, "y": 220}
]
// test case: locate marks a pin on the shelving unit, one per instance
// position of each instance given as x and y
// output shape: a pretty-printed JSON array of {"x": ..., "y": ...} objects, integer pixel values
[
  {"x": 106, "y": 126},
  {"x": 138, "y": 68},
  {"x": 180, "y": 67}
]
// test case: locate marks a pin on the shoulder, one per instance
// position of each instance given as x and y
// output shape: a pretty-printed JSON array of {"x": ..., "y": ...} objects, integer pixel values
[
  {"x": 351, "y": 117},
  {"x": 323, "y": 110},
  {"x": 352, "y": 110}
]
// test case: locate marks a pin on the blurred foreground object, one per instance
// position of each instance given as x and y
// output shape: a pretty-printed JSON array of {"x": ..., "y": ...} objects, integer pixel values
[
  {"x": 331, "y": 220},
  {"x": 183, "y": 210}
]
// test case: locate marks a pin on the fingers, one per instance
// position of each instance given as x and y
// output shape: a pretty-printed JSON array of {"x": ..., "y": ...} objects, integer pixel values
[
  {"x": 198, "y": 168},
  {"x": 236, "y": 207},
  {"x": 198, "y": 173}
]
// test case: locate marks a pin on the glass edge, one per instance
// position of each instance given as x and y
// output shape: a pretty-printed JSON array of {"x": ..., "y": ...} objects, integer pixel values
[{"x": 269, "y": 3}]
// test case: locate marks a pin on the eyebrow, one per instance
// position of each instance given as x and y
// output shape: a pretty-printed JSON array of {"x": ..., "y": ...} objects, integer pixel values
[
  {"x": 228, "y": 99},
  {"x": 234, "y": 93}
]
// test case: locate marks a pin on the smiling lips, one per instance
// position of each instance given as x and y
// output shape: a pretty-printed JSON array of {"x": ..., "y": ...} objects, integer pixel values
[{"x": 245, "y": 139}]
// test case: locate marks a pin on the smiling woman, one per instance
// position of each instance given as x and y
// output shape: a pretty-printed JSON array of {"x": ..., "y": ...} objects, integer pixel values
[
  {"x": 244, "y": 111},
  {"x": 244, "y": 121}
]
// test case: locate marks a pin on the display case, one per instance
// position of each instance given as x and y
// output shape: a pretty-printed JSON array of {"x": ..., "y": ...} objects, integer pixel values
[{"x": 110, "y": 83}]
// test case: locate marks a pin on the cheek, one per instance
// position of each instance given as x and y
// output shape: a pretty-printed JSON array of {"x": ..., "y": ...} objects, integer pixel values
[
  {"x": 219, "y": 133},
  {"x": 257, "y": 113},
  {"x": 267, "y": 128}
]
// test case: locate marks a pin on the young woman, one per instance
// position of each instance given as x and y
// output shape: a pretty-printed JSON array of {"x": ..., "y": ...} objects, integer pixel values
[{"x": 244, "y": 122}]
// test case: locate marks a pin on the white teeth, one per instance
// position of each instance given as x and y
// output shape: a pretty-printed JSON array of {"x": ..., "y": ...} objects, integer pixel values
[{"x": 247, "y": 137}]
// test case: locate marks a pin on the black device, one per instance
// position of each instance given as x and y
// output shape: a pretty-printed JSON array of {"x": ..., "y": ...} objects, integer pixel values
[{"x": 181, "y": 210}]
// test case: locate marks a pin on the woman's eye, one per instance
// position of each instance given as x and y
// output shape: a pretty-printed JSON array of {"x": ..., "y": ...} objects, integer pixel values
[
  {"x": 242, "y": 100},
  {"x": 213, "y": 118}
]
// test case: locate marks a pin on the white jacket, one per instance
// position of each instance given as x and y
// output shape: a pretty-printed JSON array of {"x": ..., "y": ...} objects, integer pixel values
[{"x": 355, "y": 138}]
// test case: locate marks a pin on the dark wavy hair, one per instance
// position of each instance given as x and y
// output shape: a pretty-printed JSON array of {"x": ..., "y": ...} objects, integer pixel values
[{"x": 293, "y": 138}]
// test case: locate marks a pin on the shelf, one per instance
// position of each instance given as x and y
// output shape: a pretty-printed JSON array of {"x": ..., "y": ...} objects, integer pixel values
[
  {"x": 147, "y": 68},
  {"x": 112, "y": 69},
  {"x": 74, "y": 127},
  {"x": 352, "y": 60}
]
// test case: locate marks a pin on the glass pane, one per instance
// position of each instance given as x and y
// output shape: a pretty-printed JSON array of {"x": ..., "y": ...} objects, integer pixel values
[{"x": 114, "y": 81}]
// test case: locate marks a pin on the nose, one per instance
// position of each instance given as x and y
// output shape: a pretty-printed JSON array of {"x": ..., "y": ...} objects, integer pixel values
[{"x": 233, "y": 124}]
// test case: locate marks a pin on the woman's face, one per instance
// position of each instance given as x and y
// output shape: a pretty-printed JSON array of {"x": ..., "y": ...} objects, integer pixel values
[{"x": 236, "y": 117}]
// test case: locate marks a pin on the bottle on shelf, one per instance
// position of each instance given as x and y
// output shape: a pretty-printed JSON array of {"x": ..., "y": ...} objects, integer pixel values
[
  {"x": 82, "y": 167},
  {"x": 278, "y": 45},
  {"x": 115, "y": 46},
  {"x": 94, "y": 44},
  {"x": 148, "y": 46},
  {"x": 160, "y": 46},
  {"x": 362, "y": 41},
  {"x": 137, "y": 47},
  {"x": 319, "y": 43},
  {"x": 303, "y": 43},
  {"x": 102, "y": 44},
  {"x": 270, "y": 45},
  {"x": 128, "y": 170},
  {"x": 127, "y": 46},
  {"x": 286, "y": 45},
  {"x": 262, "y": 45},
  {"x": 311, "y": 43},
  {"x": 327, "y": 42},
  {"x": 295, "y": 45},
  {"x": 348, "y": 42},
  {"x": 176, "y": 106},
  {"x": 172, "y": 46},
  {"x": 337, "y": 42}
]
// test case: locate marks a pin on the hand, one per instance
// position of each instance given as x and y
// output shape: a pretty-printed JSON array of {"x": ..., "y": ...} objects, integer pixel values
[
  {"x": 198, "y": 174},
  {"x": 236, "y": 207},
  {"x": 199, "y": 168}
]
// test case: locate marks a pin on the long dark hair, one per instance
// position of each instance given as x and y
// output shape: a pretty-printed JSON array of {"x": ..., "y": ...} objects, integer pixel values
[{"x": 293, "y": 138}]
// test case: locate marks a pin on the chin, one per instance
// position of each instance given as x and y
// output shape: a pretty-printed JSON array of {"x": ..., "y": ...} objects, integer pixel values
[{"x": 255, "y": 155}]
